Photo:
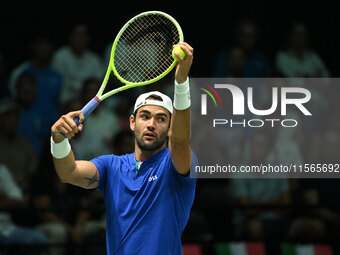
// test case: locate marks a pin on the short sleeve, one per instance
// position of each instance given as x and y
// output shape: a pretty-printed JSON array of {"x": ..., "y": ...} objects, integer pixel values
[
  {"x": 8, "y": 185},
  {"x": 320, "y": 64},
  {"x": 282, "y": 64},
  {"x": 188, "y": 179},
  {"x": 103, "y": 164}
]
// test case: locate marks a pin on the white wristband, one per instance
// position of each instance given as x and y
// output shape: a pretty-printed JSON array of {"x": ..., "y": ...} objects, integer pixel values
[
  {"x": 60, "y": 150},
  {"x": 182, "y": 95}
]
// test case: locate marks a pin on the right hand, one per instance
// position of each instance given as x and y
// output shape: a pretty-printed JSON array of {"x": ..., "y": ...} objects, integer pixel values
[
  {"x": 67, "y": 126},
  {"x": 183, "y": 65}
]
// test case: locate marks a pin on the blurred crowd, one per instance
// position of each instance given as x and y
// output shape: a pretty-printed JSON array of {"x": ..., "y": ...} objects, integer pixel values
[
  {"x": 36, "y": 208},
  {"x": 272, "y": 209}
]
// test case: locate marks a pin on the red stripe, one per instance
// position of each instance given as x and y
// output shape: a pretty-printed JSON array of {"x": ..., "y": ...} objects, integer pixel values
[
  {"x": 98, "y": 100},
  {"x": 192, "y": 249},
  {"x": 255, "y": 248},
  {"x": 323, "y": 250},
  {"x": 215, "y": 92}
]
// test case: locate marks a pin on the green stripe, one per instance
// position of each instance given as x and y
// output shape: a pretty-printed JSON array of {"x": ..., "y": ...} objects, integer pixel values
[
  {"x": 287, "y": 249},
  {"x": 206, "y": 91},
  {"x": 222, "y": 249}
]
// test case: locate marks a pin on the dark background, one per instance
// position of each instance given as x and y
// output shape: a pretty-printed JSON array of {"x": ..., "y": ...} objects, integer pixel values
[{"x": 207, "y": 25}]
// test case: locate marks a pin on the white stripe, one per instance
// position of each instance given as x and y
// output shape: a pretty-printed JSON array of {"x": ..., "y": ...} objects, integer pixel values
[
  {"x": 238, "y": 248},
  {"x": 304, "y": 250}
]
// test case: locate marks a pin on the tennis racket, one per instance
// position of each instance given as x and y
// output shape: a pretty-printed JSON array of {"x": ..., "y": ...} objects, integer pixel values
[{"x": 141, "y": 54}]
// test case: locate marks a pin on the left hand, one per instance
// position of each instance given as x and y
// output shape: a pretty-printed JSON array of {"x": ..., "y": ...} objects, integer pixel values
[{"x": 183, "y": 65}]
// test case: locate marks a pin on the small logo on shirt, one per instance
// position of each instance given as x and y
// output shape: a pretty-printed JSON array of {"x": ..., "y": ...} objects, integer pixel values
[{"x": 152, "y": 178}]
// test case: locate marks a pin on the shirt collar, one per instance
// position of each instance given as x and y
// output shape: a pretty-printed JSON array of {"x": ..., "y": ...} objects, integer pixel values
[{"x": 153, "y": 158}]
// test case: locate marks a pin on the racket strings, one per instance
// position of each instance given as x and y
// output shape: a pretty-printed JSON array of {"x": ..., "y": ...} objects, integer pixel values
[
  {"x": 143, "y": 51},
  {"x": 150, "y": 51}
]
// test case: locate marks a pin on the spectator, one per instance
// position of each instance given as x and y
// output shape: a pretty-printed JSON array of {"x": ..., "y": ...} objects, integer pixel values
[
  {"x": 237, "y": 62},
  {"x": 255, "y": 64},
  {"x": 298, "y": 60},
  {"x": 32, "y": 125},
  {"x": 49, "y": 82},
  {"x": 320, "y": 221},
  {"x": 256, "y": 221},
  {"x": 122, "y": 110},
  {"x": 286, "y": 143},
  {"x": 101, "y": 126},
  {"x": 123, "y": 143},
  {"x": 15, "y": 151},
  {"x": 76, "y": 62},
  {"x": 11, "y": 196},
  {"x": 60, "y": 218}
]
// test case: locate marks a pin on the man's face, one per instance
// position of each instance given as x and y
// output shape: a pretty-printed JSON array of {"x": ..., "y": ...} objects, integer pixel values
[
  {"x": 43, "y": 49},
  {"x": 9, "y": 122},
  {"x": 150, "y": 126},
  {"x": 26, "y": 92},
  {"x": 80, "y": 37}
]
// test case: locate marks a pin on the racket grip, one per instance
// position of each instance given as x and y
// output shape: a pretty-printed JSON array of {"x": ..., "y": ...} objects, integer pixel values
[{"x": 87, "y": 109}]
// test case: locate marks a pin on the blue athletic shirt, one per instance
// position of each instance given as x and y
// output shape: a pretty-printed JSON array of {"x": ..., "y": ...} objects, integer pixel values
[{"x": 146, "y": 212}]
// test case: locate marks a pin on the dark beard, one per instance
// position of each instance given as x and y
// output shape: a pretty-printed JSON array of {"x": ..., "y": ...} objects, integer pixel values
[{"x": 152, "y": 147}]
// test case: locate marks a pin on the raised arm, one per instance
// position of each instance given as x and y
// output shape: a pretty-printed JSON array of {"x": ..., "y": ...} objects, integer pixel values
[
  {"x": 77, "y": 172},
  {"x": 179, "y": 140}
]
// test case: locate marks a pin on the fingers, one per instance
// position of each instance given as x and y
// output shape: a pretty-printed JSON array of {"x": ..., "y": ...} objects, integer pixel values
[
  {"x": 71, "y": 126},
  {"x": 185, "y": 46},
  {"x": 59, "y": 129},
  {"x": 179, "y": 56},
  {"x": 78, "y": 114},
  {"x": 184, "y": 65},
  {"x": 187, "y": 49},
  {"x": 62, "y": 130},
  {"x": 69, "y": 119},
  {"x": 67, "y": 126},
  {"x": 80, "y": 127}
]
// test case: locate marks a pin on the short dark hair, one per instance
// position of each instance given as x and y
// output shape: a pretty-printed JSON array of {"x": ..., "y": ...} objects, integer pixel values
[{"x": 154, "y": 97}]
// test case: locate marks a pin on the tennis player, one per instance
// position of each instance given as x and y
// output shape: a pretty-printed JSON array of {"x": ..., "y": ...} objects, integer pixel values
[{"x": 149, "y": 193}]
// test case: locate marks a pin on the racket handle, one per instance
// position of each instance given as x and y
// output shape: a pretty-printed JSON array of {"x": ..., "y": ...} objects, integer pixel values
[{"x": 87, "y": 109}]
